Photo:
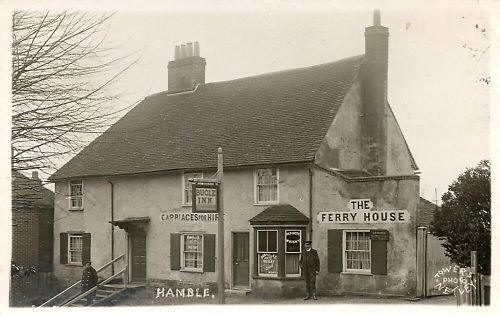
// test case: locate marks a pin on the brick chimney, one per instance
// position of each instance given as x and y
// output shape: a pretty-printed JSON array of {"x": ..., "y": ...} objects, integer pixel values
[
  {"x": 187, "y": 70},
  {"x": 34, "y": 175},
  {"x": 374, "y": 97}
]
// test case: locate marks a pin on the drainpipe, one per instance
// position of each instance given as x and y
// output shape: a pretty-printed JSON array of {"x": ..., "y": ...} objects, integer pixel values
[
  {"x": 112, "y": 226},
  {"x": 310, "y": 200}
]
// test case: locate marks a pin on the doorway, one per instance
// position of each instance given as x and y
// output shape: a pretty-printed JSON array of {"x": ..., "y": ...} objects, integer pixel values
[
  {"x": 138, "y": 256},
  {"x": 241, "y": 265}
]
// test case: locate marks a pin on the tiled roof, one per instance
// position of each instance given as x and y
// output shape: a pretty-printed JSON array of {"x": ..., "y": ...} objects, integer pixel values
[
  {"x": 279, "y": 117},
  {"x": 27, "y": 192},
  {"x": 425, "y": 214},
  {"x": 279, "y": 214}
]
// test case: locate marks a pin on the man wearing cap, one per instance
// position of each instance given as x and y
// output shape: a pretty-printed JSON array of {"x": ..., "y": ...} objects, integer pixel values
[
  {"x": 309, "y": 263},
  {"x": 89, "y": 280}
]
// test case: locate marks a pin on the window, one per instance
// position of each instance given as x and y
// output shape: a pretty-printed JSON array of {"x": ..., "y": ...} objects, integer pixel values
[
  {"x": 266, "y": 185},
  {"x": 75, "y": 249},
  {"x": 76, "y": 194},
  {"x": 293, "y": 248},
  {"x": 357, "y": 251},
  {"x": 267, "y": 251},
  {"x": 187, "y": 196},
  {"x": 192, "y": 252}
]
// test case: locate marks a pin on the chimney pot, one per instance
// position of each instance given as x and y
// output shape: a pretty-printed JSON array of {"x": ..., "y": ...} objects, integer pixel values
[
  {"x": 183, "y": 51},
  {"x": 187, "y": 70},
  {"x": 196, "y": 49},
  {"x": 177, "y": 52},
  {"x": 376, "y": 18}
]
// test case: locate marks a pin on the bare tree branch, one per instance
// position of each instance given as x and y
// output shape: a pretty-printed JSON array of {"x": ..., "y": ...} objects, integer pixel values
[{"x": 62, "y": 79}]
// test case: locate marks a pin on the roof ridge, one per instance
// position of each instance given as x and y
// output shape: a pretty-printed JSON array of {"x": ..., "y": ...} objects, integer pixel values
[
  {"x": 284, "y": 71},
  {"x": 261, "y": 75}
]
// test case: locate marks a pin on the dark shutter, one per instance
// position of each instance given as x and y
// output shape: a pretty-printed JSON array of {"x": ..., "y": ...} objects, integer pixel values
[
  {"x": 335, "y": 251},
  {"x": 175, "y": 251},
  {"x": 86, "y": 248},
  {"x": 209, "y": 252},
  {"x": 379, "y": 257},
  {"x": 63, "y": 248}
]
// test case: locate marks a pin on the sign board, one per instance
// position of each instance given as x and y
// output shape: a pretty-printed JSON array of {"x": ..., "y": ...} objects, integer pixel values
[
  {"x": 268, "y": 263},
  {"x": 359, "y": 204},
  {"x": 185, "y": 217},
  {"x": 292, "y": 240},
  {"x": 379, "y": 235},
  {"x": 205, "y": 198},
  {"x": 374, "y": 217}
]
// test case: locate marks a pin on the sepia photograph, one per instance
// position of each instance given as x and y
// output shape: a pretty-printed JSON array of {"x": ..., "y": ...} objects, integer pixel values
[{"x": 306, "y": 153}]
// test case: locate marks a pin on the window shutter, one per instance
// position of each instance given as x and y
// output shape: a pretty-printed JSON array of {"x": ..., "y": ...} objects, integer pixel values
[
  {"x": 379, "y": 257},
  {"x": 86, "y": 247},
  {"x": 175, "y": 251},
  {"x": 335, "y": 251},
  {"x": 63, "y": 248},
  {"x": 209, "y": 252}
]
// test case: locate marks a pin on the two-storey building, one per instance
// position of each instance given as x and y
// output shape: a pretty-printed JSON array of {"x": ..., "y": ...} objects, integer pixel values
[{"x": 312, "y": 153}]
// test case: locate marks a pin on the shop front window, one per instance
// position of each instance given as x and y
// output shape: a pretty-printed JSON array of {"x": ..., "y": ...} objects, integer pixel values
[
  {"x": 278, "y": 250},
  {"x": 357, "y": 251},
  {"x": 267, "y": 252}
]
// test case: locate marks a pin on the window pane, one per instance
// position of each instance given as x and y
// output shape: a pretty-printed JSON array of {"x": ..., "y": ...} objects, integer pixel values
[
  {"x": 262, "y": 238},
  {"x": 75, "y": 249},
  {"x": 267, "y": 185},
  {"x": 193, "y": 251},
  {"x": 357, "y": 251},
  {"x": 292, "y": 264},
  {"x": 272, "y": 241},
  {"x": 268, "y": 264},
  {"x": 292, "y": 241}
]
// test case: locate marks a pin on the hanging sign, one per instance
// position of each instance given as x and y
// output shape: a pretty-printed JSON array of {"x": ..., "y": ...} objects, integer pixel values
[
  {"x": 389, "y": 216},
  {"x": 205, "y": 198}
]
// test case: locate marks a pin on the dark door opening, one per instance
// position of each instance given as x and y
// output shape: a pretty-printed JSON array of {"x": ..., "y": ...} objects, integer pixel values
[
  {"x": 241, "y": 266},
  {"x": 138, "y": 256}
]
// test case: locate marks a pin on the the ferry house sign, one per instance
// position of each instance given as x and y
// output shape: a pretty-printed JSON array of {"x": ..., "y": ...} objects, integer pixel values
[
  {"x": 205, "y": 198},
  {"x": 360, "y": 212}
]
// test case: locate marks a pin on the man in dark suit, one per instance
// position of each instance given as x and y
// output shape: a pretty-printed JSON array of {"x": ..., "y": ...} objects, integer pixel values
[
  {"x": 309, "y": 263},
  {"x": 89, "y": 280}
]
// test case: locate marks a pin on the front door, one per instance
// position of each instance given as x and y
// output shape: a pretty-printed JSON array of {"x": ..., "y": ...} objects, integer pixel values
[
  {"x": 138, "y": 256},
  {"x": 240, "y": 259}
]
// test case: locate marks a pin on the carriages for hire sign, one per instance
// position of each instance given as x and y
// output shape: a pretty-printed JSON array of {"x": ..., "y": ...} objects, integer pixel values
[{"x": 205, "y": 198}]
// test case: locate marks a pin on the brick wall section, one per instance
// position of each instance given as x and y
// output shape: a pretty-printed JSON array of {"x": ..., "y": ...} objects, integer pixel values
[
  {"x": 25, "y": 252},
  {"x": 32, "y": 229}
]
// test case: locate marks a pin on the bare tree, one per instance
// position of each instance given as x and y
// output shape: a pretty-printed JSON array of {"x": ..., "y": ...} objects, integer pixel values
[{"x": 62, "y": 75}]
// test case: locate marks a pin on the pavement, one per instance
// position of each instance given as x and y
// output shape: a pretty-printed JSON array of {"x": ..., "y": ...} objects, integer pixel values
[{"x": 146, "y": 297}]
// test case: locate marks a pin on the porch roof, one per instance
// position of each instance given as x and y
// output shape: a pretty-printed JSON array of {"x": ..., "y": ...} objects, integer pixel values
[{"x": 280, "y": 214}]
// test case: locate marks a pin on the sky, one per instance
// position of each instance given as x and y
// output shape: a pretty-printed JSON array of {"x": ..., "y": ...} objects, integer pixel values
[
  {"x": 437, "y": 57},
  {"x": 436, "y": 61}
]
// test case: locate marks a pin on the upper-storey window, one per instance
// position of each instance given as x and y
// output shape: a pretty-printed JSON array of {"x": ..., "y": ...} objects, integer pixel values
[
  {"x": 266, "y": 185},
  {"x": 76, "y": 195},
  {"x": 187, "y": 196}
]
